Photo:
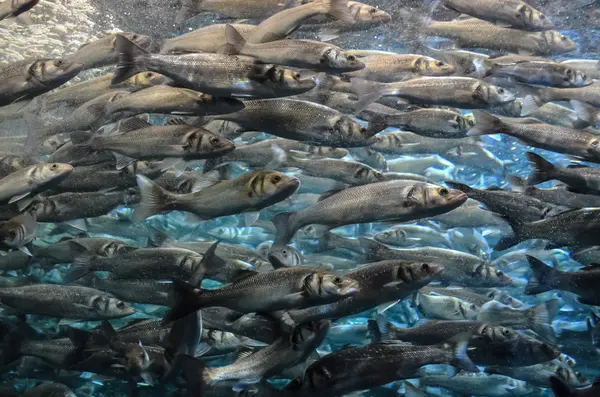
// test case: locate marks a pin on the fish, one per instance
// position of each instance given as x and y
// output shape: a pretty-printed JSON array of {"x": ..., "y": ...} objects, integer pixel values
[
  {"x": 350, "y": 172},
  {"x": 538, "y": 318},
  {"x": 539, "y": 374},
  {"x": 375, "y": 365},
  {"x": 364, "y": 16},
  {"x": 583, "y": 179},
  {"x": 104, "y": 51},
  {"x": 205, "y": 39},
  {"x": 249, "y": 192},
  {"x": 64, "y": 301},
  {"x": 432, "y": 123},
  {"x": 283, "y": 23},
  {"x": 390, "y": 67},
  {"x": 32, "y": 179},
  {"x": 253, "y": 9},
  {"x": 215, "y": 74},
  {"x": 297, "y": 287},
  {"x": 18, "y": 232},
  {"x": 479, "y": 384},
  {"x": 12, "y": 9},
  {"x": 407, "y": 235},
  {"x": 303, "y": 121},
  {"x": 285, "y": 352},
  {"x": 304, "y": 54},
  {"x": 393, "y": 200},
  {"x": 445, "y": 307},
  {"x": 581, "y": 97},
  {"x": 149, "y": 292},
  {"x": 461, "y": 92},
  {"x": 514, "y": 13},
  {"x": 577, "y": 143},
  {"x": 545, "y": 278},
  {"x": 28, "y": 79},
  {"x": 561, "y": 389}
]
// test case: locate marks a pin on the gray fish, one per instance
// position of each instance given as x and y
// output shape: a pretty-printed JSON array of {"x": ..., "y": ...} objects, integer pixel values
[
  {"x": 249, "y": 192},
  {"x": 583, "y": 179},
  {"x": 64, "y": 301},
  {"x": 540, "y": 374},
  {"x": 18, "y": 231},
  {"x": 50, "y": 389},
  {"x": 577, "y": 143},
  {"x": 479, "y": 384},
  {"x": 14, "y": 8},
  {"x": 283, "y": 353},
  {"x": 433, "y": 123},
  {"x": 461, "y": 92},
  {"x": 205, "y": 39},
  {"x": 364, "y": 16},
  {"x": 579, "y": 97},
  {"x": 391, "y": 67},
  {"x": 350, "y": 172},
  {"x": 304, "y": 54},
  {"x": 35, "y": 178},
  {"x": 358, "y": 368},
  {"x": 27, "y": 79},
  {"x": 62, "y": 252},
  {"x": 393, "y": 200},
  {"x": 302, "y": 121},
  {"x": 216, "y": 74},
  {"x": 252, "y": 9},
  {"x": 561, "y": 389},
  {"x": 445, "y": 307},
  {"x": 149, "y": 292},
  {"x": 512, "y": 13},
  {"x": 281, "y": 289},
  {"x": 546, "y": 278},
  {"x": 103, "y": 52},
  {"x": 253, "y": 325}
]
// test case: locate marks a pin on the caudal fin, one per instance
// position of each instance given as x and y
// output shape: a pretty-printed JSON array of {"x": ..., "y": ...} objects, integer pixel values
[
  {"x": 186, "y": 301},
  {"x": 285, "y": 228},
  {"x": 367, "y": 92},
  {"x": 82, "y": 265},
  {"x": 339, "y": 10},
  {"x": 540, "y": 278},
  {"x": 531, "y": 103},
  {"x": 129, "y": 59},
  {"x": 585, "y": 112},
  {"x": 153, "y": 199},
  {"x": 541, "y": 317},
  {"x": 485, "y": 124},
  {"x": 460, "y": 358},
  {"x": 195, "y": 372},
  {"x": 544, "y": 170}
]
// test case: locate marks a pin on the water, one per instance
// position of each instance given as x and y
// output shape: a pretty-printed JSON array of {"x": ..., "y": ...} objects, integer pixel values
[{"x": 462, "y": 239}]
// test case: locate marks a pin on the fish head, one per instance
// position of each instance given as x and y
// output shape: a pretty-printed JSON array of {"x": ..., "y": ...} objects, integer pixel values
[
  {"x": 335, "y": 285},
  {"x": 388, "y": 236},
  {"x": 558, "y": 42},
  {"x": 345, "y": 129},
  {"x": 307, "y": 334},
  {"x": 428, "y": 66},
  {"x": 139, "y": 39},
  {"x": 575, "y": 378},
  {"x": 263, "y": 249},
  {"x": 13, "y": 234},
  {"x": 326, "y": 151},
  {"x": 55, "y": 71},
  {"x": 498, "y": 95},
  {"x": 594, "y": 148},
  {"x": 576, "y": 78},
  {"x": 497, "y": 333},
  {"x": 334, "y": 58},
  {"x": 435, "y": 197},
  {"x": 111, "y": 307},
  {"x": 114, "y": 248},
  {"x": 47, "y": 172},
  {"x": 146, "y": 79},
  {"x": 53, "y": 143},
  {"x": 201, "y": 141},
  {"x": 367, "y": 13},
  {"x": 533, "y": 18},
  {"x": 272, "y": 186},
  {"x": 364, "y": 174},
  {"x": 213, "y": 105},
  {"x": 136, "y": 358},
  {"x": 285, "y": 256},
  {"x": 221, "y": 232}
]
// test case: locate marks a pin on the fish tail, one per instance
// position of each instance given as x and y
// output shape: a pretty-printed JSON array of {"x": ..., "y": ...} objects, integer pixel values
[
  {"x": 285, "y": 228},
  {"x": 459, "y": 351},
  {"x": 533, "y": 102},
  {"x": 412, "y": 391},
  {"x": 541, "y": 275},
  {"x": 196, "y": 373},
  {"x": 369, "y": 248},
  {"x": 379, "y": 329},
  {"x": 543, "y": 172},
  {"x": 152, "y": 201},
  {"x": 485, "y": 124},
  {"x": 560, "y": 388},
  {"x": 339, "y": 10},
  {"x": 186, "y": 301},
  {"x": 211, "y": 264},
  {"x": 584, "y": 111},
  {"x": 324, "y": 243},
  {"x": 129, "y": 63},
  {"x": 542, "y": 317},
  {"x": 367, "y": 91},
  {"x": 81, "y": 266},
  {"x": 483, "y": 66},
  {"x": 188, "y": 9},
  {"x": 234, "y": 41}
]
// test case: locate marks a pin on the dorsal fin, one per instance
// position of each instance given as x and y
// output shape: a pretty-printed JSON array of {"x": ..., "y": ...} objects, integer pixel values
[
  {"x": 177, "y": 121},
  {"x": 577, "y": 166},
  {"x": 329, "y": 193},
  {"x": 243, "y": 352},
  {"x": 133, "y": 124}
]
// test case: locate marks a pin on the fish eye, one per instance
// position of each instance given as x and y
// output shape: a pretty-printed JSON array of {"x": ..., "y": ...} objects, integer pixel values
[
  {"x": 425, "y": 267},
  {"x": 444, "y": 192},
  {"x": 337, "y": 280},
  {"x": 12, "y": 234},
  {"x": 542, "y": 16},
  {"x": 584, "y": 76},
  {"x": 563, "y": 38},
  {"x": 120, "y": 305},
  {"x": 363, "y": 130},
  {"x": 473, "y": 307},
  {"x": 148, "y": 75},
  {"x": 276, "y": 179},
  {"x": 284, "y": 252},
  {"x": 439, "y": 63},
  {"x": 505, "y": 332},
  {"x": 351, "y": 58},
  {"x": 297, "y": 76},
  {"x": 214, "y": 141},
  {"x": 58, "y": 62},
  {"x": 595, "y": 143},
  {"x": 134, "y": 37},
  {"x": 142, "y": 355},
  {"x": 53, "y": 167},
  {"x": 373, "y": 10},
  {"x": 500, "y": 90},
  {"x": 499, "y": 273}
]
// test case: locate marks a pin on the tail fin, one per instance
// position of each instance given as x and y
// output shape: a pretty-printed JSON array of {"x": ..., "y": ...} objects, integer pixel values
[
  {"x": 367, "y": 91},
  {"x": 531, "y": 103},
  {"x": 81, "y": 266},
  {"x": 460, "y": 358},
  {"x": 128, "y": 64},
  {"x": 380, "y": 328},
  {"x": 539, "y": 281},
  {"x": 369, "y": 247},
  {"x": 485, "y": 124},
  {"x": 210, "y": 265},
  {"x": 285, "y": 228},
  {"x": 544, "y": 169},
  {"x": 412, "y": 391},
  {"x": 483, "y": 66},
  {"x": 585, "y": 111},
  {"x": 541, "y": 318},
  {"x": 153, "y": 199},
  {"x": 186, "y": 298},
  {"x": 195, "y": 371},
  {"x": 339, "y": 10},
  {"x": 234, "y": 41},
  {"x": 560, "y": 388}
]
